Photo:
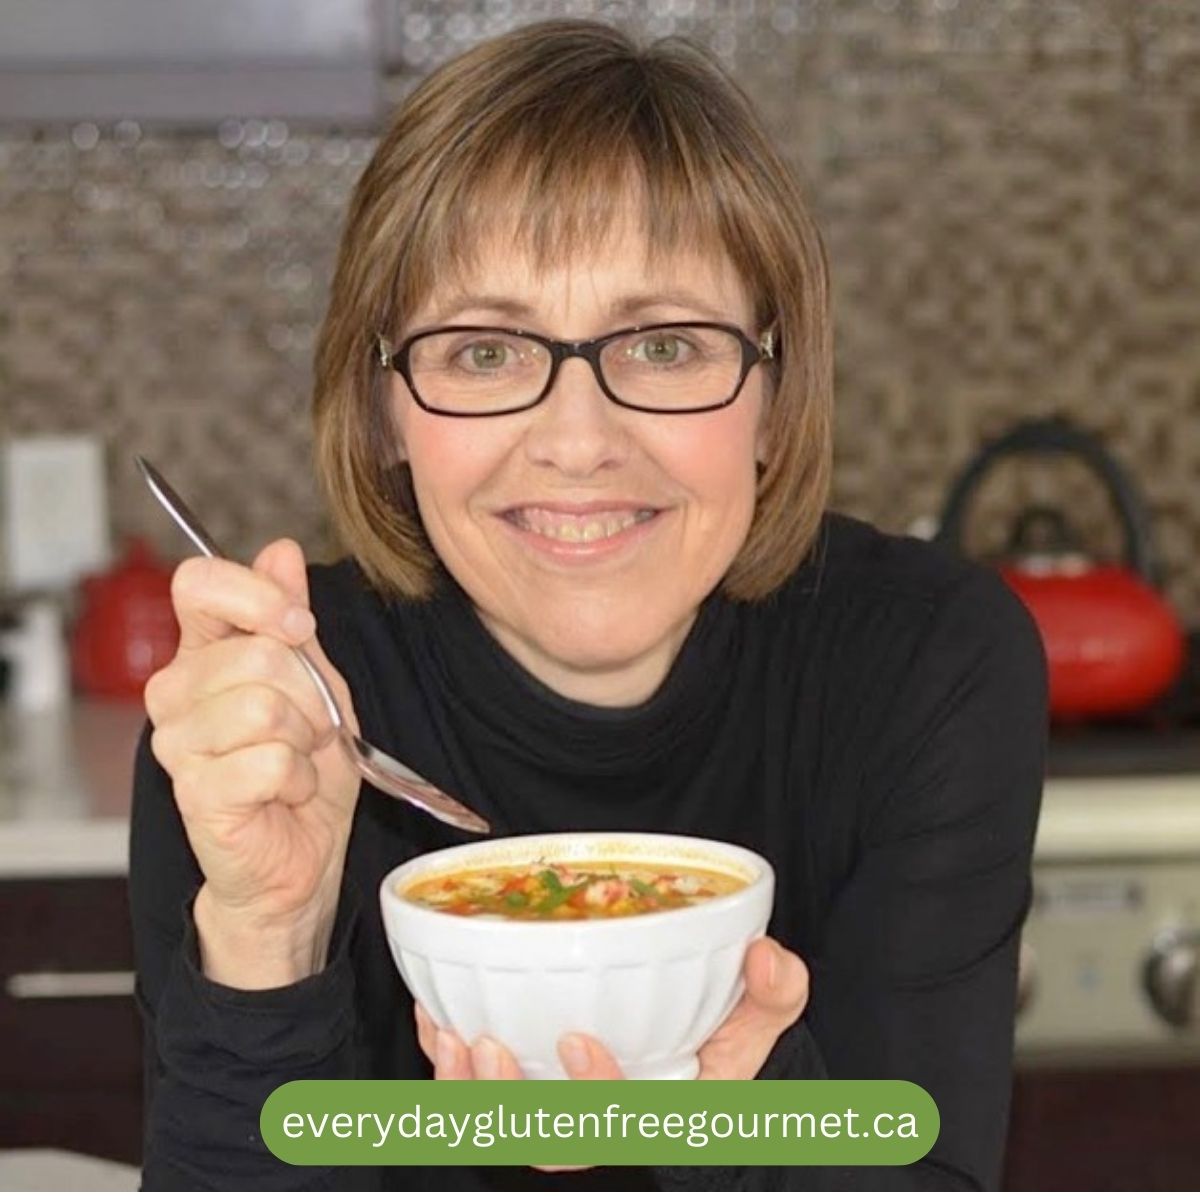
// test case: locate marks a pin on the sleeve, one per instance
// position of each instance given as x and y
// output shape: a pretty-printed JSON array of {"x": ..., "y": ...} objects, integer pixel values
[
  {"x": 915, "y": 974},
  {"x": 214, "y": 1054}
]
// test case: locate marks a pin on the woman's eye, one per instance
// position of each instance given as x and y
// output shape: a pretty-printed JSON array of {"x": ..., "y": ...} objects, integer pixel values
[
  {"x": 485, "y": 356},
  {"x": 663, "y": 349}
]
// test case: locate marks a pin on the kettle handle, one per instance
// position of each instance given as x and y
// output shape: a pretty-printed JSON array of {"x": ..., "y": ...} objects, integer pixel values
[{"x": 1056, "y": 434}]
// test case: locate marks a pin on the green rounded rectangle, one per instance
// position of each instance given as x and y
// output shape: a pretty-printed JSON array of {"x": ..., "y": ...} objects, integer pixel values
[{"x": 327, "y": 1122}]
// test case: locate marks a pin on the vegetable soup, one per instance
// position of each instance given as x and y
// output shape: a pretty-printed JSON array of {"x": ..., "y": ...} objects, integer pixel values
[{"x": 574, "y": 892}]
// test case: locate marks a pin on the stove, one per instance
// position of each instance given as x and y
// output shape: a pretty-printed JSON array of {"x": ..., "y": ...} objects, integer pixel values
[{"x": 1110, "y": 960}]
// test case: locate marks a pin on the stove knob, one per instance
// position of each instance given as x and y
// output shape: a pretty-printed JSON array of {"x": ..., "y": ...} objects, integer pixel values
[{"x": 1172, "y": 977}]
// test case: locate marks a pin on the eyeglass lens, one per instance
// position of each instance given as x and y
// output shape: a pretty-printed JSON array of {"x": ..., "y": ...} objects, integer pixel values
[{"x": 491, "y": 370}]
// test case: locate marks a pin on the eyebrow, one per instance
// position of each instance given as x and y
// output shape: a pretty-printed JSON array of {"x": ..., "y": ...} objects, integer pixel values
[{"x": 625, "y": 307}]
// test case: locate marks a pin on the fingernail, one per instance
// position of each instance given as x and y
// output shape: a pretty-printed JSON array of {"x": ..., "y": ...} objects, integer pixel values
[
  {"x": 444, "y": 1049},
  {"x": 574, "y": 1053},
  {"x": 298, "y": 624},
  {"x": 487, "y": 1058}
]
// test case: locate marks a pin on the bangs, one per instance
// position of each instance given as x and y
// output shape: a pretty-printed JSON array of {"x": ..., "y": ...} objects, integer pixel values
[{"x": 558, "y": 184}]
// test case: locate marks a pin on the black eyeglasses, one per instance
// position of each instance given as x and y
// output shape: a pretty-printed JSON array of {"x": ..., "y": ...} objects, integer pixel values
[{"x": 482, "y": 371}]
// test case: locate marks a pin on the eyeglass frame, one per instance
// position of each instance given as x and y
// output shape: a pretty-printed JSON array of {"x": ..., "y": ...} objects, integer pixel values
[{"x": 589, "y": 349}]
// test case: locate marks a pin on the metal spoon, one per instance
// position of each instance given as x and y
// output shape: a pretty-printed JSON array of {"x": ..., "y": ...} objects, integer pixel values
[{"x": 372, "y": 764}]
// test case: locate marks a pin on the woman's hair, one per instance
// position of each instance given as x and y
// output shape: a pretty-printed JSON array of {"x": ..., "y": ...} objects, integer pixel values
[{"x": 545, "y": 129}]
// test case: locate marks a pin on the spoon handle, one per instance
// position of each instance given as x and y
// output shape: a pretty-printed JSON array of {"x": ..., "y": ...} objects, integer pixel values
[
  {"x": 187, "y": 520},
  {"x": 170, "y": 499}
]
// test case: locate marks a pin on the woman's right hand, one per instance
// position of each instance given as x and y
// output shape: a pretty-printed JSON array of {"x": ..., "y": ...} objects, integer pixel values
[{"x": 265, "y": 792}]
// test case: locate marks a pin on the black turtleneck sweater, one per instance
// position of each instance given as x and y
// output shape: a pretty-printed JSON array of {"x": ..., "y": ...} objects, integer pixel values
[{"x": 876, "y": 729}]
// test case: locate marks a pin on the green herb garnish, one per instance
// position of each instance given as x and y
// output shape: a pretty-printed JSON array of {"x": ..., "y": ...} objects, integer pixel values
[{"x": 561, "y": 896}]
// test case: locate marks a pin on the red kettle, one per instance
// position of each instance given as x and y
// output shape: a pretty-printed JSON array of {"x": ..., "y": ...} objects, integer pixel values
[
  {"x": 1113, "y": 643},
  {"x": 127, "y": 628}
]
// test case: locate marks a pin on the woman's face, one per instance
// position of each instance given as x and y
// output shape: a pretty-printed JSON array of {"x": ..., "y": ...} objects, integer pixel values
[{"x": 596, "y": 620}]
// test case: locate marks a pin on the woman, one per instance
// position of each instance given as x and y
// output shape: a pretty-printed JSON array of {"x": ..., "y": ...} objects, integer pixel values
[{"x": 573, "y": 416}]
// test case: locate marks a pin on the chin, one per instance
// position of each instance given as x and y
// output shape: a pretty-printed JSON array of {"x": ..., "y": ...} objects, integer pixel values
[{"x": 605, "y": 642}]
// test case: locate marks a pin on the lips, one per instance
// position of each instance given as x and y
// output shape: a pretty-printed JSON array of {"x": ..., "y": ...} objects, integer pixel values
[{"x": 592, "y": 524}]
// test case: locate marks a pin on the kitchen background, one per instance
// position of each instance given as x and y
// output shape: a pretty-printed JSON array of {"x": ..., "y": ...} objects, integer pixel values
[
  {"x": 1008, "y": 188},
  {"x": 1010, "y": 196}
]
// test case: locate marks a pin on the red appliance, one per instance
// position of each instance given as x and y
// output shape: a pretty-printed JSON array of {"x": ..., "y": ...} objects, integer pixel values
[
  {"x": 1113, "y": 643},
  {"x": 127, "y": 628}
]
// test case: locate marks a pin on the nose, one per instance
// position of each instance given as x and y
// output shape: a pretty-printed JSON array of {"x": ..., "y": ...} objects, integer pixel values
[{"x": 576, "y": 430}]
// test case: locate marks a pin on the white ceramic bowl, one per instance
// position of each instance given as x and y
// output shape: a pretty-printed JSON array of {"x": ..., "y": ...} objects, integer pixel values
[{"x": 651, "y": 987}]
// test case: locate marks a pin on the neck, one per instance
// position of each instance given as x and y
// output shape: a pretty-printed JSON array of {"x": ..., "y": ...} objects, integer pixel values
[{"x": 610, "y": 685}]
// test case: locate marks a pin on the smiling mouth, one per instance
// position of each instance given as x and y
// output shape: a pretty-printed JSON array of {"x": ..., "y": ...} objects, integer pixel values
[{"x": 589, "y": 527}]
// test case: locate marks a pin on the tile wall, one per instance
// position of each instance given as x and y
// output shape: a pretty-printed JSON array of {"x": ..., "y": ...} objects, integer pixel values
[{"x": 1010, "y": 192}]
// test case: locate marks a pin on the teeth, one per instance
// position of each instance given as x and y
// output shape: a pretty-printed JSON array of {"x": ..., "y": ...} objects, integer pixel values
[{"x": 583, "y": 529}]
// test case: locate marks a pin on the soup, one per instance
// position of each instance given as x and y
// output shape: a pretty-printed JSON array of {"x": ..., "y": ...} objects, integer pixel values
[{"x": 577, "y": 892}]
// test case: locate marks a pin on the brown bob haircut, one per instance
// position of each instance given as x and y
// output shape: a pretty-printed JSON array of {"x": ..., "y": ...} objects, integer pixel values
[{"x": 546, "y": 126}]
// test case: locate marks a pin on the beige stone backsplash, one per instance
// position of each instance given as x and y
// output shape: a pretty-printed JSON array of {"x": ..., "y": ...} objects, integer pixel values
[{"x": 1009, "y": 189}]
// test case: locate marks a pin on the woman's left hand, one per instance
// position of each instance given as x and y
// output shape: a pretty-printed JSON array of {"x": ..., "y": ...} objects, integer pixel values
[{"x": 776, "y": 994}]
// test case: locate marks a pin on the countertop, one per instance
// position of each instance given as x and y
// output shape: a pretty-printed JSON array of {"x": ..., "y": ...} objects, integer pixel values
[
  {"x": 65, "y": 781},
  {"x": 50, "y": 1170},
  {"x": 66, "y": 774}
]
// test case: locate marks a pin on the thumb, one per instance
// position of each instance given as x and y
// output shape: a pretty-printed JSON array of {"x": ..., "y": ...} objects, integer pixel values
[
  {"x": 283, "y": 562},
  {"x": 776, "y": 980}
]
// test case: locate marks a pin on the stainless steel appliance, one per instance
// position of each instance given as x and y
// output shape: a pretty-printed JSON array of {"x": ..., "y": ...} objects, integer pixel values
[
  {"x": 1111, "y": 956},
  {"x": 1107, "y": 1089}
]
